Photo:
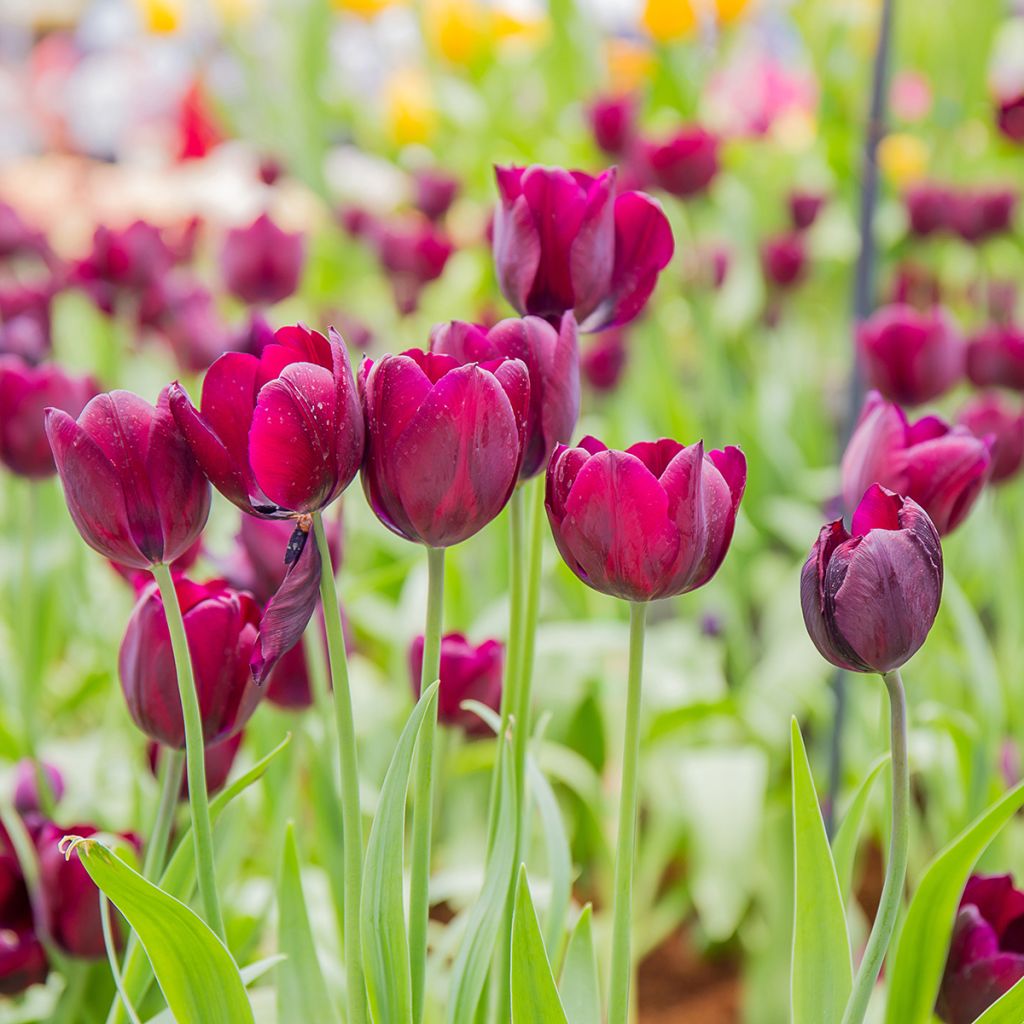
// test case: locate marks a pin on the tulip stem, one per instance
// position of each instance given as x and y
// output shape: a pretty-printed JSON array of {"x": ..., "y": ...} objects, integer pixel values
[
  {"x": 195, "y": 752},
  {"x": 351, "y": 815},
  {"x": 423, "y": 805},
  {"x": 622, "y": 961},
  {"x": 896, "y": 870},
  {"x": 172, "y": 768}
]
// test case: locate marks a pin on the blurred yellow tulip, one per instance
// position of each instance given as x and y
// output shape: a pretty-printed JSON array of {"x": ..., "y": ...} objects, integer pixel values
[
  {"x": 730, "y": 11},
  {"x": 409, "y": 111},
  {"x": 456, "y": 29},
  {"x": 161, "y": 17},
  {"x": 669, "y": 20},
  {"x": 367, "y": 9},
  {"x": 630, "y": 64},
  {"x": 517, "y": 31},
  {"x": 903, "y": 158}
]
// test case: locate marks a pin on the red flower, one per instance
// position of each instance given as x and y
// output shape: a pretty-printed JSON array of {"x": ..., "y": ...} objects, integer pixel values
[
  {"x": 684, "y": 164},
  {"x": 262, "y": 263}
]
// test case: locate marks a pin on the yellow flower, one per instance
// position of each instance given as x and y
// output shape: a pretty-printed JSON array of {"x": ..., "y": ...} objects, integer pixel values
[
  {"x": 516, "y": 32},
  {"x": 409, "y": 110},
  {"x": 729, "y": 11},
  {"x": 668, "y": 20},
  {"x": 630, "y": 64},
  {"x": 161, "y": 17},
  {"x": 367, "y": 9},
  {"x": 903, "y": 158},
  {"x": 456, "y": 29}
]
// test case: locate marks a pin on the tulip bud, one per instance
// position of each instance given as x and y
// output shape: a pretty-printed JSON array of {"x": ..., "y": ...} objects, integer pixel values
[
  {"x": 434, "y": 191},
  {"x": 986, "y": 952},
  {"x": 221, "y": 625},
  {"x": 909, "y": 356},
  {"x": 804, "y": 208},
  {"x": 413, "y": 252},
  {"x": 870, "y": 597},
  {"x": 684, "y": 164},
  {"x": 990, "y": 416},
  {"x": 995, "y": 357},
  {"x": 261, "y": 263},
  {"x": 977, "y": 216},
  {"x": 929, "y": 208},
  {"x": 942, "y": 468},
  {"x": 23, "y": 960},
  {"x": 444, "y": 442},
  {"x": 26, "y": 791},
  {"x": 650, "y": 522},
  {"x": 1010, "y": 118},
  {"x": 218, "y": 758},
  {"x": 784, "y": 261},
  {"x": 131, "y": 484},
  {"x": 613, "y": 121},
  {"x": 467, "y": 673},
  {"x": 26, "y": 319},
  {"x": 604, "y": 360}
]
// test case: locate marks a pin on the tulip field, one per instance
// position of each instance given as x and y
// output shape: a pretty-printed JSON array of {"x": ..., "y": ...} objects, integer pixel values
[{"x": 512, "y": 512}]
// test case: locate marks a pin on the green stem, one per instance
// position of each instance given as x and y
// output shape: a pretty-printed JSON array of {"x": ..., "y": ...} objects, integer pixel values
[
  {"x": 423, "y": 805},
  {"x": 76, "y": 982},
  {"x": 172, "y": 768},
  {"x": 195, "y": 753},
  {"x": 115, "y": 968},
  {"x": 351, "y": 815},
  {"x": 622, "y": 963},
  {"x": 896, "y": 870}
]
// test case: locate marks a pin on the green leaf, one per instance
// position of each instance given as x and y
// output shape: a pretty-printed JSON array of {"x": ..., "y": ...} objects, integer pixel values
[
  {"x": 556, "y": 843},
  {"x": 580, "y": 988},
  {"x": 534, "y": 995},
  {"x": 844, "y": 845},
  {"x": 1007, "y": 1009},
  {"x": 250, "y": 973},
  {"x": 385, "y": 936},
  {"x": 195, "y": 971},
  {"x": 920, "y": 957},
  {"x": 301, "y": 991},
  {"x": 822, "y": 974}
]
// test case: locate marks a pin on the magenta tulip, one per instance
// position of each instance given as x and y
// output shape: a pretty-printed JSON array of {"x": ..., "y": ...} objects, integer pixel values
[
  {"x": 978, "y": 216},
  {"x": 23, "y": 961},
  {"x": 929, "y": 208},
  {"x": 995, "y": 357},
  {"x": 604, "y": 360},
  {"x": 613, "y": 121},
  {"x": 804, "y": 208},
  {"x": 784, "y": 261},
  {"x": 413, "y": 252},
  {"x": 26, "y": 318},
  {"x": 652, "y": 521},
  {"x": 991, "y": 416},
  {"x": 685, "y": 164},
  {"x": 444, "y": 442},
  {"x": 434, "y": 191},
  {"x": 1010, "y": 118},
  {"x": 262, "y": 263},
  {"x": 18, "y": 239},
  {"x": 218, "y": 759},
  {"x": 26, "y": 789}
]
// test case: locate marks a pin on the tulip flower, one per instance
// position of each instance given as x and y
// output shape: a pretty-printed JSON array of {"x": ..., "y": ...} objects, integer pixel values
[
  {"x": 977, "y": 216},
  {"x": 604, "y": 359},
  {"x": 413, "y": 252},
  {"x": 784, "y": 260},
  {"x": 18, "y": 239},
  {"x": 131, "y": 484},
  {"x": 684, "y": 164},
  {"x": 942, "y": 468},
  {"x": 23, "y": 960},
  {"x": 468, "y": 672},
  {"x": 552, "y": 358},
  {"x": 613, "y": 121},
  {"x": 995, "y": 357},
  {"x": 26, "y": 789},
  {"x": 990, "y": 416},
  {"x": 564, "y": 240},
  {"x": 269, "y": 169},
  {"x": 219, "y": 757},
  {"x": 444, "y": 442},
  {"x": 649, "y": 522},
  {"x": 434, "y": 191},
  {"x": 262, "y": 263},
  {"x": 804, "y": 208},
  {"x": 1010, "y": 118},
  {"x": 910, "y": 356},
  {"x": 929, "y": 208},
  {"x": 25, "y": 316},
  {"x": 25, "y": 393},
  {"x": 986, "y": 952}
]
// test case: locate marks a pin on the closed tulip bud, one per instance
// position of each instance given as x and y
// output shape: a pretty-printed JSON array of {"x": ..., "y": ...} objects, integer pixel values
[
  {"x": 221, "y": 625},
  {"x": 25, "y": 393},
  {"x": 262, "y": 264},
  {"x": 552, "y": 358},
  {"x": 942, "y": 468},
  {"x": 218, "y": 758},
  {"x": 444, "y": 442},
  {"x": 26, "y": 789},
  {"x": 804, "y": 208},
  {"x": 131, "y": 484},
  {"x": 1010, "y": 118},
  {"x": 278, "y": 433},
  {"x": 468, "y": 672},
  {"x": 986, "y": 952},
  {"x": 604, "y": 359},
  {"x": 649, "y": 522},
  {"x": 26, "y": 318},
  {"x": 929, "y": 208},
  {"x": 995, "y": 357},
  {"x": 413, "y": 252},
  {"x": 565, "y": 241},
  {"x": 911, "y": 356},
  {"x": 991, "y": 416},
  {"x": 684, "y": 164},
  {"x": 977, "y": 216},
  {"x": 613, "y": 121},
  {"x": 784, "y": 260},
  {"x": 434, "y": 191},
  {"x": 870, "y": 596},
  {"x": 121, "y": 262},
  {"x": 23, "y": 961}
]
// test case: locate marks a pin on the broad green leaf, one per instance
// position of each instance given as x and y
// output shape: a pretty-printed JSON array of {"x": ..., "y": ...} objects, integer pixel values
[
  {"x": 821, "y": 971},
  {"x": 534, "y": 995},
  {"x": 844, "y": 845},
  {"x": 301, "y": 991},
  {"x": 384, "y": 932},
  {"x": 195, "y": 971},
  {"x": 556, "y": 843},
  {"x": 1007, "y": 1009},
  {"x": 473, "y": 962},
  {"x": 920, "y": 957},
  {"x": 250, "y": 973},
  {"x": 580, "y": 989}
]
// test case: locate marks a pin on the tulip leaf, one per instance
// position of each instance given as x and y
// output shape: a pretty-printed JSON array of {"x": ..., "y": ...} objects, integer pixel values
[
  {"x": 920, "y": 956},
  {"x": 1007, "y": 1009},
  {"x": 384, "y": 931},
  {"x": 556, "y": 844},
  {"x": 580, "y": 988},
  {"x": 250, "y": 973},
  {"x": 822, "y": 974},
  {"x": 197, "y": 975},
  {"x": 844, "y": 846},
  {"x": 301, "y": 991},
  {"x": 534, "y": 995}
]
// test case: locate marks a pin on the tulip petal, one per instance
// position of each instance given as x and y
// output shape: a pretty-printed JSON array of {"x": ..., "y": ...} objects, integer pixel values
[
  {"x": 878, "y": 510},
  {"x": 517, "y": 252},
  {"x": 592, "y": 256},
  {"x": 869, "y": 457}
]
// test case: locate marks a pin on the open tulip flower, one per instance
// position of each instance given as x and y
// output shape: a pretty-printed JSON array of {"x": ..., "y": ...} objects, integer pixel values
[
  {"x": 991, "y": 416},
  {"x": 684, "y": 164},
  {"x": 995, "y": 357}
]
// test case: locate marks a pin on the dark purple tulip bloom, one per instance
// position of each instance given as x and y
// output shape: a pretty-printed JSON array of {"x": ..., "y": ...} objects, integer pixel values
[
  {"x": 613, "y": 120},
  {"x": 468, "y": 672},
  {"x": 991, "y": 416},
  {"x": 551, "y": 356},
  {"x": 684, "y": 164},
  {"x": 564, "y": 240},
  {"x": 911, "y": 356},
  {"x": 995, "y": 357},
  {"x": 870, "y": 596},
  {"x": 23, "y": 960},
  {"x": 1010, "y": 119},
  {"x": 604, "y": 359},
  {"x": 131, "y": 484},
  {"x": 444, "y": 442},
  {"x": 262, "y": 263},
  {"x": 26, "y": 792},
  {"x": 804, "y": 208},
  {"x": 25, "y": 393},
  {"x": 279, "y": 433},
  {"x": 652, "y": 521},
  {"x": 986, "y": 952},
  {"x": 25, "y": 315},
  {"x": 942, "y": 468},
  {"x": 413, "y": 252},
  {"x": 221, "y": 625},
  {"x": 977, "y": 216},
  {"x": 218, "y": 758},
  {"x": 929, "y": 208},
  {"x": 784, "y": 260},
  {"x": 434, "y": 191}
]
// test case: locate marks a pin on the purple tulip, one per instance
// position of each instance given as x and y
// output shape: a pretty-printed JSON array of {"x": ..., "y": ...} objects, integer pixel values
[
  {"x": 613, "y": 121},
  {"x": 217, "y": 757},
  {"x": 1010, "y": 118},
  {"x": 261, "y": 263},
  {"x": 784, "y": 260},
  {"x": 18, "y": 239},
  {"x": 26, "y": 791},
  {"x": 551, "y": 356},
  {"x": 25, "y": 319},
  {"x": 986, "y": 952},
  {"x": 652, "y": 521},
  {"x": 804, "y": 208},
  {"x": 564, "y": 240},
  {"x": 870, "y": 596},
  {"x": 434, "y": 191},
  {"x": 684, "y": 164},
  {"x": 991, "y": 416},
  {"x": 23, "y": 960},
  {"x": 131, "y": 484},
  {"x": 978, "y": 216},
  {"x": 929, "y": 208},
  {"x": 444, "y": 442},
  {"x": 604, "y": 360},
  {"x": 468, "y": 672},
  {"x": 942, "y": 468},
  {"x": 910, "y": 356},
  {"x": 995, "y": 357},
  {"x": 413, "y": 252}
]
